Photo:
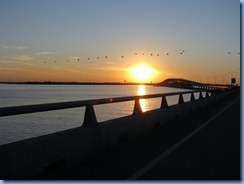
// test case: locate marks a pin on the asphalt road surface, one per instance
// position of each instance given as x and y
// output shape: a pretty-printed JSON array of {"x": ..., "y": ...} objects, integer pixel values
[{"x": 202, "y": 146}]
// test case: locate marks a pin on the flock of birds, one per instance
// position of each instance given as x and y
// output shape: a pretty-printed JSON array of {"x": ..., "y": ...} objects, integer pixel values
[{"x": 122, "y": 56}]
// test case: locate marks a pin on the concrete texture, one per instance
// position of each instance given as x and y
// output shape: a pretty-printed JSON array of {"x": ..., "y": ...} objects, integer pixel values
[
  {"x": 63, "y": 150},
  {"x": 212, "y": 154}
]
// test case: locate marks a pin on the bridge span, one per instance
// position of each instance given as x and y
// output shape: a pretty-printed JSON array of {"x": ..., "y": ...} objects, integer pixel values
[
  {"x": 192, "y": 140},
  {"x": 188, "y": 84}
]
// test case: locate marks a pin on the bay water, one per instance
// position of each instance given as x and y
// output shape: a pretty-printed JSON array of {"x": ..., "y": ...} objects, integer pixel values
[{"x": 19, "y": 127}]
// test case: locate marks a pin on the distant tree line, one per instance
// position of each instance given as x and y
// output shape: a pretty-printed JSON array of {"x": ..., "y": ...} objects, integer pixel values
[{"x": 76, "y": 83}]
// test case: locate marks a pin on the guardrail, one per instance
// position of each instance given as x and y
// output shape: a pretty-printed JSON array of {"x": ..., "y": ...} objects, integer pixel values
[
  {"x": 90, "y": 117},
  {"x": 48, "y": 153}
]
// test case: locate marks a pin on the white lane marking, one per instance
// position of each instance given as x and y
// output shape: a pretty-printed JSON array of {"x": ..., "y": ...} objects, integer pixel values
[{"x": 154, "y": 162}]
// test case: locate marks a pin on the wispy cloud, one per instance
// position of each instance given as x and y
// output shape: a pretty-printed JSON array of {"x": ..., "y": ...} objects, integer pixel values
[
  {"x": 7, "y": 62},
  {"x": 113, "y": 68},
  {"x": 74, "y": 57},
  {"x": 50, "y": 57},
  {"x": 20, "y": 47},
  {"x": 24, "y": 58},
  {"x": 44, "y": 53},
  {"x": 3, "y": 46},
  {"x": 109, "y": 63}
]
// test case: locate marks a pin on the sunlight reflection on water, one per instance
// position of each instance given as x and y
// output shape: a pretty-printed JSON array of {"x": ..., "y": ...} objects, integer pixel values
[
  {"x": 142, "y": 91},
  {"x": 13, "y": 128}
]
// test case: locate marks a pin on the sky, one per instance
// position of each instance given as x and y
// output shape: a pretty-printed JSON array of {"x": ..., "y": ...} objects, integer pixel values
[{"x": 119, "y": 40}]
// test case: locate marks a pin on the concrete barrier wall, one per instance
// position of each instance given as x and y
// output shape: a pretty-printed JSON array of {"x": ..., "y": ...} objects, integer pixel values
[{"x": 35, "y": 156}]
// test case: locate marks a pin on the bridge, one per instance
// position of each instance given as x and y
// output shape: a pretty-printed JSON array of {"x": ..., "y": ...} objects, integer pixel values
[
  {"x": 194, "y": 139},
  {"x": 187, "y": 84}
]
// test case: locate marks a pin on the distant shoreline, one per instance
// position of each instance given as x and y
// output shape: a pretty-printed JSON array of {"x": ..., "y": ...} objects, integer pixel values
[{"x": 77, "y": 83}]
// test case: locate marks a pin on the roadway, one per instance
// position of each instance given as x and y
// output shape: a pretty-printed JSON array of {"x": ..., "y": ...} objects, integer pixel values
[{"x": 203, "y": 146}]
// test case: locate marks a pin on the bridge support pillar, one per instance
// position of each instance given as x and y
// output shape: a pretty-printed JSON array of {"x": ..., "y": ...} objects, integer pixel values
[
  {"x": 200, "y": 95},
  {"x": 90, "y": 119},
  {"x": 164, "y": 103},
  {"x": 192, "y": 97},
  {"x": 207, "y": 95},
  {"x": 137, "y": 107},
  {"x": 181, "y": 100}
]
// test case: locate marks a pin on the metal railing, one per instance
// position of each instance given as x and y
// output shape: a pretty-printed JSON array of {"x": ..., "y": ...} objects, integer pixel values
[{"x": 90, "y": 117}]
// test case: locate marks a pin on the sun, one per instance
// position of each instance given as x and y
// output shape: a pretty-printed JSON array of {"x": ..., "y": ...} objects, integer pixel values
[{"x": 141, "y": 73}]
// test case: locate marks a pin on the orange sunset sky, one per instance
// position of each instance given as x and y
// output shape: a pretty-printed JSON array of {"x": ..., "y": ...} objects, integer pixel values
[{"x": 118, "y": 41}]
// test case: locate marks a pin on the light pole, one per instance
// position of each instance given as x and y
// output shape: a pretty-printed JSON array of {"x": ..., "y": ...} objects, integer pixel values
[
  {"x": 231, "y": 74},
  {"x": 238, "y": 75},
  {"x": 215, "y": 76},
  {"x": 223, "y": 77}
]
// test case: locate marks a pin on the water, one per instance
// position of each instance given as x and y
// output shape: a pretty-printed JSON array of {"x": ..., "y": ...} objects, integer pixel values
[{"x": 19, "y": 127}]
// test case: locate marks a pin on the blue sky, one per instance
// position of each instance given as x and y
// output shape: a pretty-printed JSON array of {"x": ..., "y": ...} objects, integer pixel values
[{"x": 34, "y": 31}]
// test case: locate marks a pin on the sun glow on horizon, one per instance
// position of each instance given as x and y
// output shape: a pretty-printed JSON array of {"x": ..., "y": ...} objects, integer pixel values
[{"x": 141, "y": 73}]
